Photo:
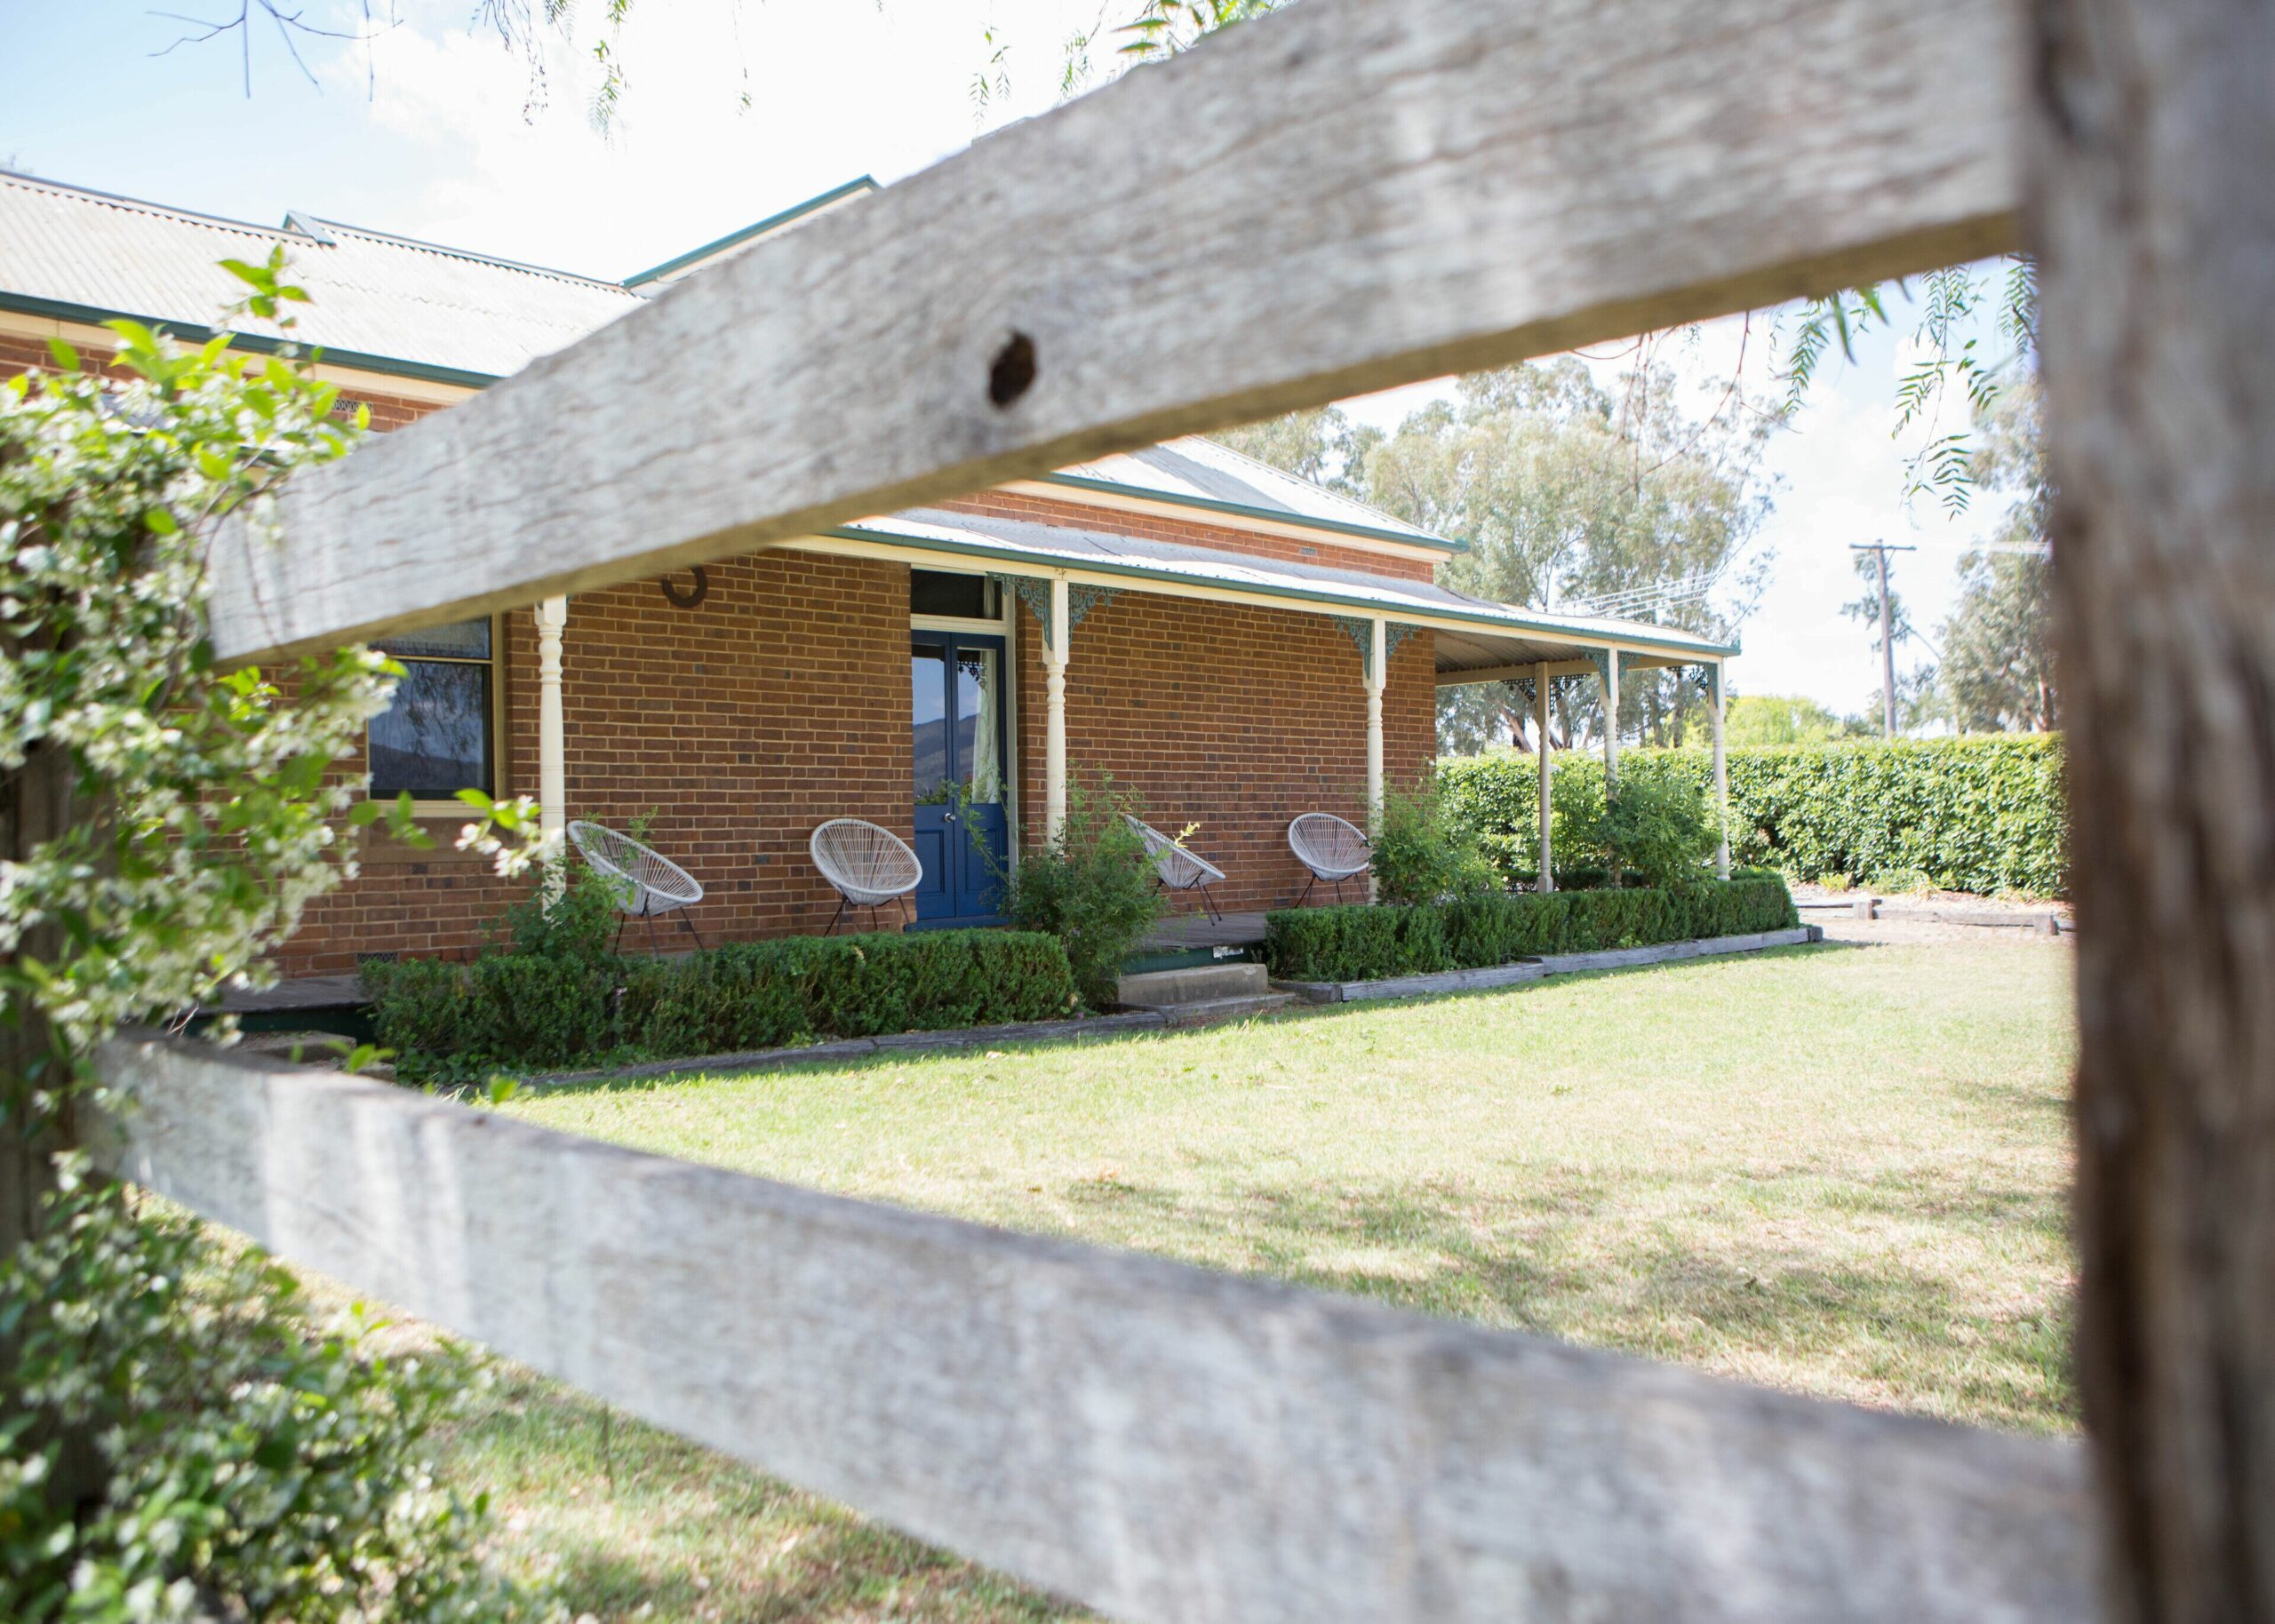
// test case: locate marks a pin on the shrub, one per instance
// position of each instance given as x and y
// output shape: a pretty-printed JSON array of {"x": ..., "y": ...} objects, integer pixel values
[
  {"x": 247, "y": 1463},
  {"x": 1983, "y": 814},
  {"x": 1661, "y": 827},
  {"x": 581, "y": 924},
  {"x": 1364, "y": 943},
  {"x": 1092, "y": 886},
  {"x": 1424, "y": 855},
  {"x": 450, "y": 1022}
]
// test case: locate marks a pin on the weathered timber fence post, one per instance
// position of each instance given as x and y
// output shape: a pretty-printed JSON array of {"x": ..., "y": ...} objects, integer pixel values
[
  {"x": 2151, "y": 139},
  {"x": 39, "y": 802}
]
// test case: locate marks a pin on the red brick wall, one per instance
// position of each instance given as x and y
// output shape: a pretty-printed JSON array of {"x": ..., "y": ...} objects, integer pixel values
[
  {"x": 780, "y": 700},
  {"x": 1232, "y": 718},
  {"x": 783, "y": 700},
  {"x": 19, "y": 353},
  {"x": 1193, "y": 533}
]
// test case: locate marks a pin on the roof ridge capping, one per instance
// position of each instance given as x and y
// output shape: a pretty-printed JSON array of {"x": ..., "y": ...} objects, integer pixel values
[
  {"x": 858, "y": 186},
  {"x": 41, "y": 183},
  {"x": 321, "y": 230},
  {"x": 1392, "y": 529},
  {"x": 1394, "y": 522}
]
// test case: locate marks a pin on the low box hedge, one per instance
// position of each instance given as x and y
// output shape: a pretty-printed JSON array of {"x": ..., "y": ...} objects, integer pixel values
[
  {"x": 1374, "y": 942},
  {"x": 548, "y": 1011}
]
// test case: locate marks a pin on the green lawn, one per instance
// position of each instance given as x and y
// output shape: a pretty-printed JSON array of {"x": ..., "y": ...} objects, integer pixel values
[{"x": 1838, "y": 1170}]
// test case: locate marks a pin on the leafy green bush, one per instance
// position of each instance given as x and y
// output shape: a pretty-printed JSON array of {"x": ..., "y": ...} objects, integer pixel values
[
  {"x": 1661, "y": 827},
  {"x": 1423, "y": 854},
  {"x": 1983, "y": 814},
  {"x": 1092, "y": 886},
  {"x": 1363, "y": 943},
  {"x": 582, "y": 923},
  {"x": 247, "y": 1465},
  {"x": 451, "y": 1021}
]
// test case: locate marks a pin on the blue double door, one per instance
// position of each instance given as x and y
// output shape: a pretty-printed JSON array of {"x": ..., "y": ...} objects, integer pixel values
[{"x": 956, "y": 705}]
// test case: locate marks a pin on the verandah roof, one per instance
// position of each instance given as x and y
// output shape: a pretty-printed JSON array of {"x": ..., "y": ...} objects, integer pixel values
[{"x": 1477, "y": 639}]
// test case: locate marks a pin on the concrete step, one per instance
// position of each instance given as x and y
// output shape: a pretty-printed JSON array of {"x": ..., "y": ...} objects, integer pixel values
[
  {"x": 1209, "y": 1011},
  {"x": 1197, "y": 985}
]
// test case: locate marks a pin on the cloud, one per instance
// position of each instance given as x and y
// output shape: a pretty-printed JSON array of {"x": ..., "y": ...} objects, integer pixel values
[{"x": 834, "y": 91}]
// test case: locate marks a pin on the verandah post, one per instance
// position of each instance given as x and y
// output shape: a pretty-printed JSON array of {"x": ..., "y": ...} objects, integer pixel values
[
  {"x": 1611, "y": 670},
  {"x": 1721, "y": 772},
  {"x": 1377, "y": 658},
  {"x": 1054, "y": 747},
  {"x": 552, "y": 743},
  {"x": 1540, "y": 711}
]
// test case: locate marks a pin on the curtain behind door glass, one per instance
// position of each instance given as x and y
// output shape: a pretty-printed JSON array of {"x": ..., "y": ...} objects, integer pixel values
[{"x": 978, "y": 724}]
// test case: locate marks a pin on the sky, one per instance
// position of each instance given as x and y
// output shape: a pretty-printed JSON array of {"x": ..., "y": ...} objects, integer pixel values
[{"x": 432, "y": 129}]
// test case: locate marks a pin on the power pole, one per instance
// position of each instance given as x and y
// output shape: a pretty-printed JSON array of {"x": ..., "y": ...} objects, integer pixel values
[{"x": 1879, "y": 550}]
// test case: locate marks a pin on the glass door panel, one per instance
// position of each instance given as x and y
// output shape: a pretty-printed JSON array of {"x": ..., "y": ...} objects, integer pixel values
[{"x": 957, "y": 753}]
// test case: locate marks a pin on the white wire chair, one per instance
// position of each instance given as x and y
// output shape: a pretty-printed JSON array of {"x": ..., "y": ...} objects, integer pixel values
[
  {"x": 1175, "y": 868},
  {"x": 645, "y": 883},
  {"x": 1333, "y": 849},
  {"x": 868, "y": 866}
]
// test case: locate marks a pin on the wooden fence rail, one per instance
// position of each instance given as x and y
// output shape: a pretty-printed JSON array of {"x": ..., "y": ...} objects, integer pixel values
[
  {"x": 1161, "y": 1442},
  {"x": 1344, "y": 196}
]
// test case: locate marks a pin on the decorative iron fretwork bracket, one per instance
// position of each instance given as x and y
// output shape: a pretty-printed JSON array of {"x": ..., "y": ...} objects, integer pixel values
[
  {"x": 1361, "y": 634},
  {"x": 1601, "y": 658},
  {"x": 1034, "y": 592}
]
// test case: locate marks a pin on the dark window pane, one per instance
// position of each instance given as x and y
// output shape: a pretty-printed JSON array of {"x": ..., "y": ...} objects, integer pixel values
[
  {"x": 965, "y": 597},
  {"x": 927, "y": 689},
  {"x": 434, "y": 739},
  {"x": 461, "y": 640}
]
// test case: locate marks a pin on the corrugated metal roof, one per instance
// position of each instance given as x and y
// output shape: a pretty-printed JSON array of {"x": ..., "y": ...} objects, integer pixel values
[
  {"x": 1203, "y": 472},
  {"x": 1504, "y": 632},
  {"x": 372, "y": 295},
  {"x": 394, "y": 304}
]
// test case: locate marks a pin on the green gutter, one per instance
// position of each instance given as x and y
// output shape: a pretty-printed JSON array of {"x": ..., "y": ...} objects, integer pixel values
[
  {"x": 1412, "y": 539},
  {"x": 91, "y": 316},
  {"x": 860, "y": 183},
  {"x": 1408, "y": 612}
]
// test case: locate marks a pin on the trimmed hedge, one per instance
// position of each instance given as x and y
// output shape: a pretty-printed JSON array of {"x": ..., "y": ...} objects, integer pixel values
[
  {"x": 1983, "y": 813},
  {"x": 542, "y": 1010},
  {"x": 1361, "y": 942}
]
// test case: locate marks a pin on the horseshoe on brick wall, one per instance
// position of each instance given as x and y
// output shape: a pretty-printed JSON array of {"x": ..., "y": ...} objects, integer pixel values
[{"x": 694, "y": 595}]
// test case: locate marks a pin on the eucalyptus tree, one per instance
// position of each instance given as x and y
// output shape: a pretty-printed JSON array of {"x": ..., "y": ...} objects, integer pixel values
[{"x": 1567, "y": 492}]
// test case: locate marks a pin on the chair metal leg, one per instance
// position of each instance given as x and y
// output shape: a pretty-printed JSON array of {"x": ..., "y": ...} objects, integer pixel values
[
  {"x": 1306, "y": 896},
  {"x": 692, "y": 929},
  {"x": 618, "y": 941},
  {"x": 1210, "y": 904},
  {"x": 655, "y": 948},
  {"x": 836, "y": 916}
]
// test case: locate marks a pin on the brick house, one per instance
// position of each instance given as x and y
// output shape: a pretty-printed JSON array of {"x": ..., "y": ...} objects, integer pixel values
[{"x": 1224, "y": 620}]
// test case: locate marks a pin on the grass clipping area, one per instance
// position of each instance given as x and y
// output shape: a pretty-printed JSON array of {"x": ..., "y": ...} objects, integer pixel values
[{"x": 1842, "y": 1171}]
